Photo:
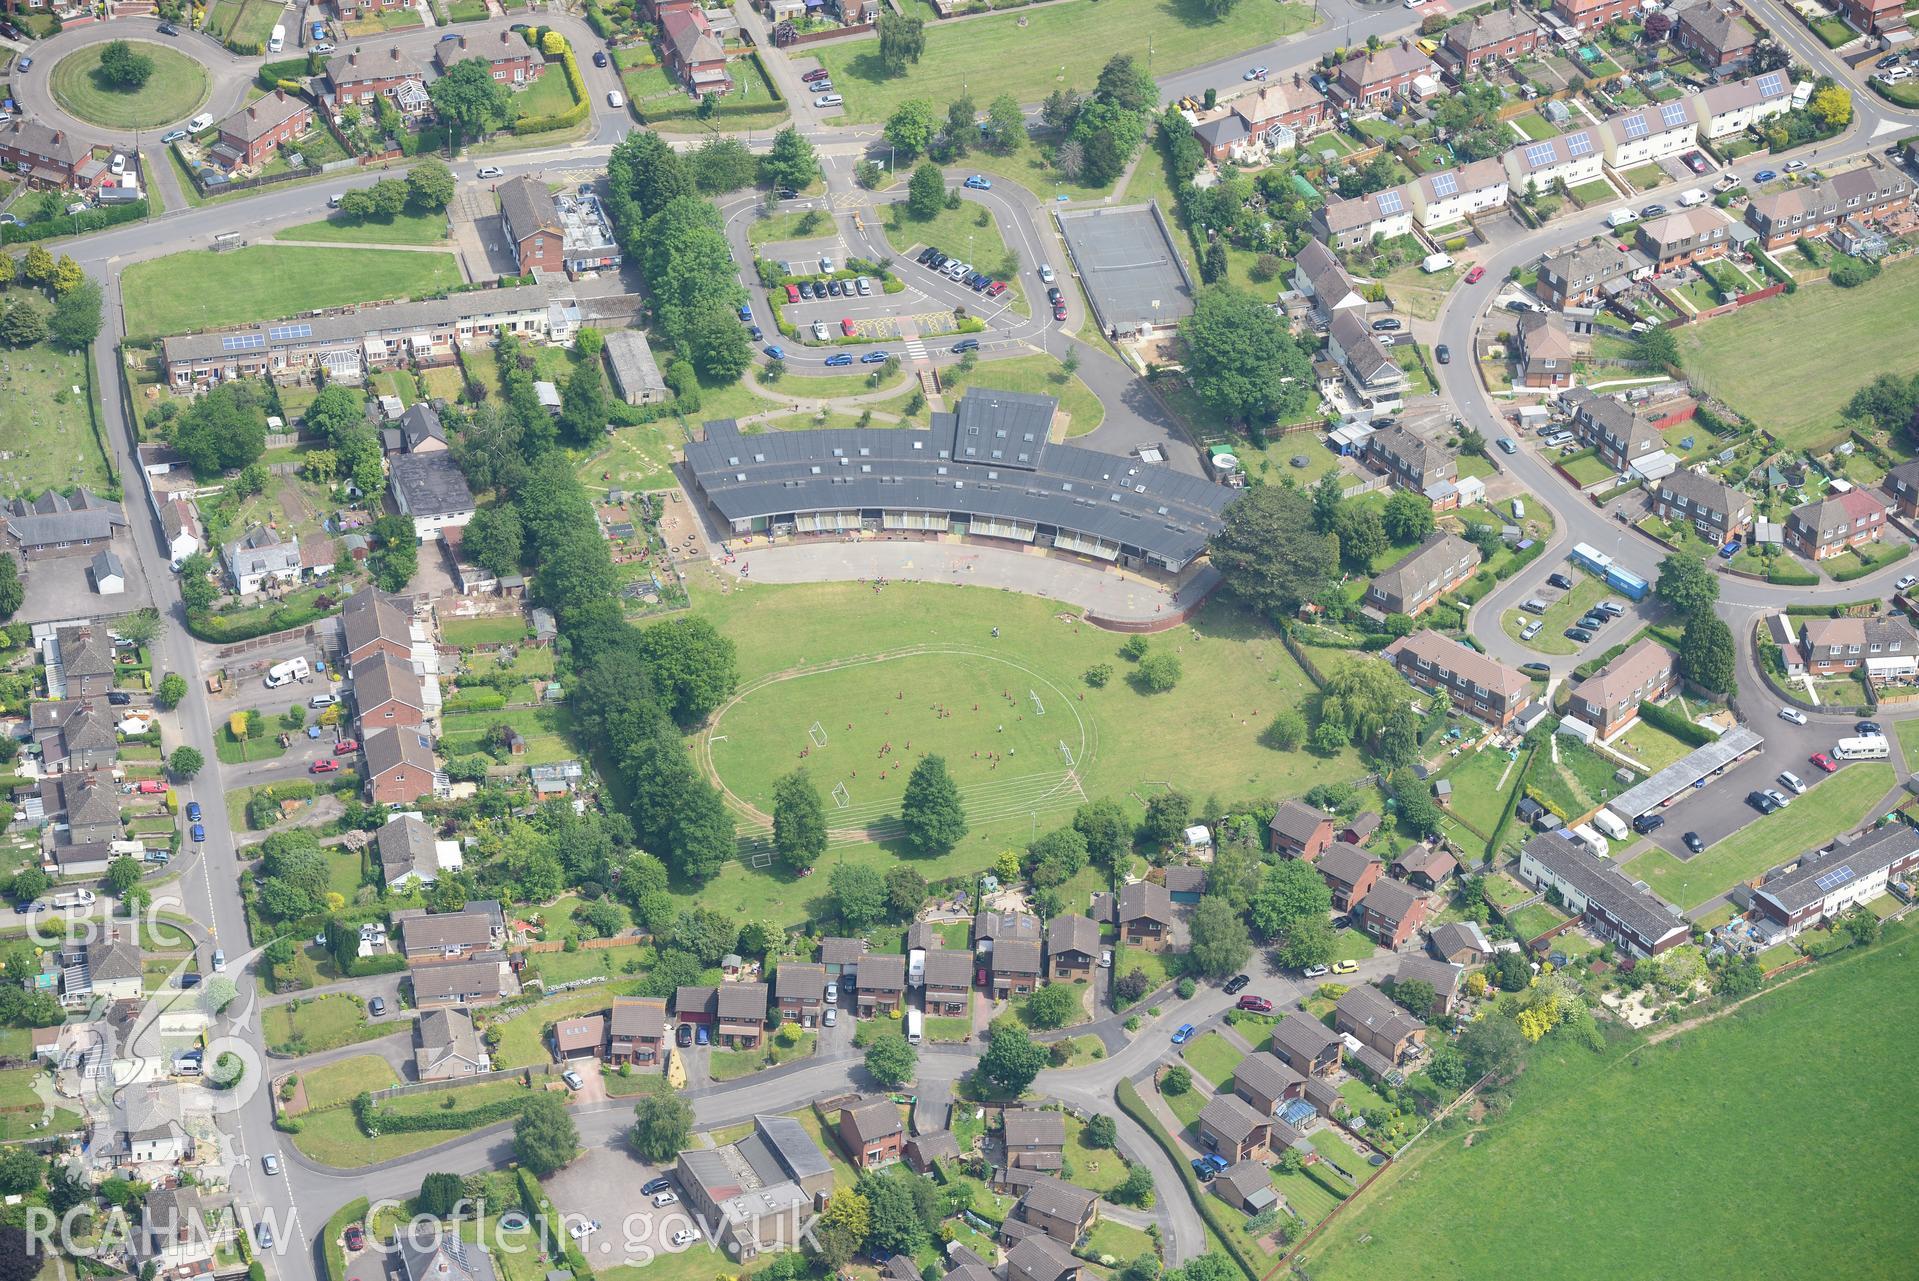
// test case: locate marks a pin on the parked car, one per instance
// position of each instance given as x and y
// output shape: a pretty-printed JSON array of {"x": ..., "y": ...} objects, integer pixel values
[
  {"x": 1237, "y": 984},
  {"x": 172, "y": 136},
  {"x": 1536, "y": 669},
  {"x": 1476, "y": 275},
  {"x": 847, "y": 327},
  {"x": 1693, "y": 842},
  {"x": 1823, "y": 762},
  {"x": 838, "y": 359},
  {"x": 832, "y": 993},
  {"x": 817, "y": 73},
  {"x": 1761, "y": 802},
  {"x": 1531, "y": 630},
  {"x": 165, "y": 29},
  {"x": 1315, "y": 972},
  {"x": 193, "y": 811},
  {"x": 327, "y": 766},
  {"x": 828, "y": 100},
  {"x": 980, "y": 182},
  {"x": 1257, "y": 1004},
  {"x": 1506, "y": 445},
  {"x": 685, "y": 1236},
  {"x": 664, "y": 1198},
  {"x": 1792, "y": 714},
  {"x": 376, "y": 1006},
  {"x": 199, "y": 834},
  {"x": 1443, "y": 354},
  {"x": 1652, "y": 211},
  {"x": 599, "y": 57},
  {"x": 1906, "y": 584},
  {"x": 965, "y": 345},
  {"x": 1765, "y": 175},
  {"x": 1183, "y": 1033},
  {"x": 1560, "y": 581},
  {"x": 683, "y": 1036},
  {"x": 1794, "y": 784},
  {"x": 1863, "y": 728},
  {"x": 1386, "y": 325},
  {"x": 574, "y": 1081},
  {"x": 355, "y": 1237},
  {"x": 1779, "y": 799},
  {"x": 1106, "y": 958},
  {"x": 651, "y": 1186},
  {"x": 1648, "y": 823},
  {"x": 1578, "y": 634},
  {"x": 1794, "y": 166},
  {"x": 701, "y": 1036},
  {"x": 1255, "y": 73},
  {"x": 1346, "y": 967},
  {"x": 831, "y": 1017},
  {"x": 1697, "y": 163}
]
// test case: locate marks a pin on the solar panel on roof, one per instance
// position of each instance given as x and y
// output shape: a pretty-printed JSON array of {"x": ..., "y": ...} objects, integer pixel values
[
  {"x": 1389, "y": 202},
  {"x": 1539, "y": 153},
  {"x": 1673, "y": 113},
  {"x": 1579, "y": 144},
  {"x": 282, "y": 333},
  {"x": 1773, "y": 82},
  {"x": 1634, "y": 126},
  {"x": 242, "y": 342},
  {"x": 1445, "y": 184},
  {"x": 1830, "y": 881}
]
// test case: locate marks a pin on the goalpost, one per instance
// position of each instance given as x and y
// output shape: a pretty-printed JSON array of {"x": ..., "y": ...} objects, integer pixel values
[
  {"x": 841, "y": 797},
  {"x": 1039, "y": 708},
  {"x": 1066, "y": 753},
  {"x": 817, "y": 733}
]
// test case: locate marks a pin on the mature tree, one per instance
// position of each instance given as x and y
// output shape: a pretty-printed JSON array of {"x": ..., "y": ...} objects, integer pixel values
[
  {"x": 1286, "y": 732},
  {"x": 25, "y": 321},
  {"x": 13, "y": 593},
  {"x": 1290, "y": 891},
  {"x": 662, "y": 1125},
  {"x": 122, "y": 875},
  {"x": 22, "y": 1254},
  {"x": 1362, "y": 535},
  {"x": 429, "y": 186},
  {"x": 1741, "y": 976},
  {"x": 688, "y": 264},
  {"x": 1177, "y": 1080},
  {"x": 1657, "y": 348},
  {"x": 583, "y": 404},
  {"x": 1101, "y": 1131},
  {"x": 790, "y": 164},
  {"x": 1309, "y": 941},
  {"x": 1416, "y": 995},
  {"x": 396, "y": 553},
  {"x": 1686, "y": 584},
  {"x": 902, "y": 40},
  {"x": 912, "y": 126},
  {"x": 905, "y": 891},
  {"x": 799, "y": 821},
  {"x": 962, "y": 123},
  {"x": 1268, "y": 553},
  {"x": 440, "y": 1193},
  {"x": 644, "y": 170},
  {"x": 469, "y": 98},
  {"x": 1158, "y": 672},
  {"x": 337, "y": 410},
  {"x": 1417, "y": 809},
  {"x": 1241, "y": 358},
  {"x": 1408, "y": 518},
  {"x": 694, "y": 666},
  {"x": 1168, "y": 814},
  {"x": 926, "y": 193},
  {"x": 841, "y": 1228},
  {"x": 221, "y": 431},
  {"x": 1130, "y": 987},
  {"x": 1126, "y": 85},
  {"x": 1136, "y": 1189},
  {"x": 1107, "y": 830},
  {"x": 1220, "y": 943},
  {"x": 1398, "y": 743},
  {"x": 1361, "y": 697},
  {"x": 1511, "y": 972},
  {"x": 75, "y": 322},
  {"x": 140, "y": 627},
  {"x": 705, "y": 934},
  {"x": 1890, "y": 402},
  {"x": 859, "y": 896},
  {"x": 722, "y": 165},
  {"x": 1005, "y": 123},
  {"x": 1832, "y": 108},
  {"x": 1054, "y": 1005},
  {"x": 494, "y": 539},
  {"x": 930, "y": 809},
  {"x": 1706, "y": 653},
  {"x": 720, "y": 347},
  {"x": 895, "y": 1225},
  {"x": 890, "y": 1060},
  {"x": 21, "y": 1171},
  {"x": 1491, "y": 1045},
  {"x": 122, "y": 68},
  {"x": 171, "y": 690},
  {"x": 1011, "y": 1061},
  {"x": 544, "y": 1137}
]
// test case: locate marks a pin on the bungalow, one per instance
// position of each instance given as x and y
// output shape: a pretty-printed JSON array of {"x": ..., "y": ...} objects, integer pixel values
[
  {"x": 1717, "y": 35},
  {"x": 1574, "y": 158},
  {"x": 1649, "y": 134},
  {"x": 1884, "y": 644},
  {"x": 387, "y": 691},
  {"x": 250, "y": 135},
  {"x": 1443, "y": 977},
  {"x": 1424, "y": 866},
  {"x": 1072, "y": 948},
  {"x": 1305, "y": 1045},
  {"x": 438, "y": 937},
  {"x": 1012, "y": 967},
  {"x": 1390, "y": 912},
  {"x": 871, "y": 1132},
  {"x": 582, "y": 1037},
  {"x": 949, "y": 979},
  {"x": 1482, "y": 686},
  {"x": 448, "y": 1047},
  {"x": 1349, "y": 872},
  {"x": 1297, "y": 830},
  {"x": 1231, "y": 1128},
  {"x": 1057, "y": 1210},
  {"x": 1409, "y": 460},
  {"x": 693, "y": 53},
  {"x": 1372, "y": 77},
  {"x": 636, "y": 1031},
  {"x": 1727, "y": 109},
  {"x": 1459, "y": 943},
  {"x": 1545, "y": 346},
  {"x": 1686, "y": 236},
  {"x": 1871, "y": 191},
  {"x": 1718, "y": 511},
  {"x": 1145, "y": 915},
  {"x": 1608, "y": 905},
  {"x": 1609, "y": 699},
  {"x": 799, "y": 989},
  {"x": 1321, "y": 277},
  {"x": 467, "y": 983},
  {"x": 1035, "y": 1138},
  {"x": 399, "y": 765},
  {"x": 880, "y": 982},
  {"x": 410, "y": 854},
  {"x": 1508, "y": 34},
  {"x": 1266, "y": 1084},
  {"x": 1417, "y": 580},
  {"x": 1369, "y": 1016},
  {"x": 1590, "y": 15},
  {"x": 1589, "y": 274},
  {"x": 1828, "y": 526}
]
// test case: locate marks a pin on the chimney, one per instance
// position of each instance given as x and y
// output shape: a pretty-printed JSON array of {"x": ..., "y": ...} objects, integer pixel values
[
  {"x": 1406, "y": 42},
  {"x": 506, "y": 37},
  {"x": 59, "y": 135},
  {"x": 353, "y": 59},
  {"x": 394, "y": 53},
  {"x": 1299, "y": 79}
]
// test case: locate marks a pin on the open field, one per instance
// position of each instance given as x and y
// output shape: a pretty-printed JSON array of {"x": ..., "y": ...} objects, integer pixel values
[
  {"x": 403, "y": 229},
  {"x": 1789, "y": 364},
  {"x": 1835, "y": 805},
  {"x": 1058, "y": 47},
  {"x": 1202, "y": 736},
  {"x": 46, "y": 429},
  {"x": 1625, "y": 1131},
  {"x": 174, "y": 91},
  {"x": 188, "y": 291}
]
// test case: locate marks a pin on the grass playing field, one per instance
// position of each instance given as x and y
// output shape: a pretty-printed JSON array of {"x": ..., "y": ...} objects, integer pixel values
[
  {"x": 199, "y": 290},
  {"x": 1646, "y": 1157},
  {"x": 1203, "y": 736}
]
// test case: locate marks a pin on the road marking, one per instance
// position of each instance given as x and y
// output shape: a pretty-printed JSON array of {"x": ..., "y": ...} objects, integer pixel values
[{"x": 916, "y": 351}]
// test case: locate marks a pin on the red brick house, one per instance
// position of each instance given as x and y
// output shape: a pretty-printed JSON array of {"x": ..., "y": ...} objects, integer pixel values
[
  {"x": 513, "y": 60},
  {"x": 880, "y": 979},
  {"x": 249, "y": 136},
  {"x": 1590, "y": 15},
  {"x": 1072, "y": 947},
  {"x": 800, "y": 991},
  {"x": 1813, "y": 209},
  {"x": 637, "y": 1031},
  {"x": 399, "y": 765},
  {"x": 693, "y": 53},
  {"x": 949, "y": 981},
  {"x": 533, "y": 226},
  {"x": 1305, "y": 1045},
  {"x": 740, "y": 1014},
  {"x": 1145, "y": 915},
  {"x": 48, "y": 157},
  {"x": 1481, "y": 686},
  {"x": 871, "y": 1132},
  {"x": 371, "y": 624},
  {"x": 1299, "y": 831},
  {"x": 1230, "y": 1127},
  {"x": 1370, "y": 1017},
  {"x": 1609, "y": 699},
  {"x": 1828, "y": 526},
  {"x": 358, "y": 79},
  {"x": 1717, "y": 35},
  {"x": 1508, "y": 33},
  {"x": 1349, "y": 872},
  {"x": 1873, "y": 16},
  {"x": 387, "y": 692},
  {"x": 1684, "y": 237},
  {"x": 1371, "y": 76},
  {"x": 1902, "y": 486},
  {"x": 1391, "y": 912},
  {"x": 580, "y": 1038},
  {"x": 1836, "y": 646}
]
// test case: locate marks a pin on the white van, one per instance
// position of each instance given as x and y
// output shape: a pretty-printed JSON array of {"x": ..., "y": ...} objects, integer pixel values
[
  {"x": 202, "y": 121},
  {"x": 277, "y": 41},
  {"x": 1871, "y": 747},
  {"x": 1435, "y": 262},
  {"x": 916, "y": 967},
  {"x": 915, "y": 1026},
  {"x": 1519, "y": 509},
  {"x": 1694, "y": 197},
  {"x": 1620, "y": 217}
]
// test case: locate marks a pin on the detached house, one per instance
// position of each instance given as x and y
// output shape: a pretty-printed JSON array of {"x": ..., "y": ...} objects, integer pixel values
[
  {"x": 1443, "y": 977},
  {"x": 372, "y": 624},
  {"x": 1321, "y": 277},
  {"x": 448, "y": 1046},
  {"x": 1507, "y": 34},
  {"x": 1012, "y": 967},
  {"x": 1836, "y": 523},
  {"x": 1482, "y": 686},
  {"x": 871, "y": 1132},
  {"x": 1545, "y": 346},
  {"x": 1145, "y": 915},
  {"x": 949, "y": 981},
  {"x": 1459, "y": 943},
  {"x": 1036, "y": 1258},
  {"x": 880, "y": 982},
  {"x": 636, "y": 1031},
  {"x": 180, "y": 527},
  {"x": 1418, "y": 579},
  {"x": 1370, "y": 1017},
  {"x": 1035, "y": 1138},
  {"x": 1391, "y": 912},
  {"x": 1297, "y": 830},
  {"x": 1717, "y": 35},
  {"x": 1305, "y": 1045},
  {"x": 446, "y": 936},
  {"x": 1266, "y": 1084},
  {"x": 1057, "y": 1210},
  {"x": 1718, "y": 511},
  {"x": 693, "y": 53},
  {"x": 1884, "y": 647},
  {"x": 468, "y": 983},
  {"x": 740, "y": 1014},
  {"x": 260, "y": 558},
  {"x": 1368, "y": 364},
  {"x": 1609, "y": 699},
  {"x": 800, "y": 991},
  {"x": 399, "y": 765},
  {"x": 387, "y": 691},
  {"x": 1230, "y": 1127},
  {"x": 431, "y": 490},
  {"x": 1424, "y": 866},
  {"x": 1072, "y": 948},
  {"x": 85, "y": 660},
  {"x": 1349, "y": 872}
]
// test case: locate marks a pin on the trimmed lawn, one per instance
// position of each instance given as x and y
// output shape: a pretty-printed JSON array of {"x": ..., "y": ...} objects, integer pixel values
[
  {"x": 1530, "y": 922},
  {"x": 1621, "y": 1129},
  {"x": 1654, "y": 748},
  {"x": 550, "y": 95},
  {"x": 1109, "y": 1239},
  {"x": 1908, "y": 732},
  {"x": 1187, "y": 1106},
  {"x": 405, "y": 229},
  {"x": 1836, "y": 804},
  {"x": 499, "y": 630},
  {"x": 341, "y": 1082},
  {"x": 565, "y": 967},
  {"x": 174, "y": 91},
  {"x": 1213, "y": 1057},
  {"x": 1350, "y": 945},
  {"x": 322, "y": 1023},
  {"x": 728, "y": 1065},
  {"x": 1311, "y": 1195},
  {"x": 1478, "y": 798},
  {"x": 1041, "y": 375},
  {"x": 188, "y": 291},
  {"x": 1790, "y": 364},
  {"x": 47, "y": 436},
  {"x": 1058, "y": 47}
]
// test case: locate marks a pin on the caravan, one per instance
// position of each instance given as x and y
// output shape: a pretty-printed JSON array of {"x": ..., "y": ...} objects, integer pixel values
[
  {"x": 294, "y": 669},
  {"x": 915, "y": 1026},
  {"x": 1868, "y": 747}
]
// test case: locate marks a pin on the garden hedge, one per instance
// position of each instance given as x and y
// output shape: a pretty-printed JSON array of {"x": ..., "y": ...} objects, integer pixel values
[
  {"x": 335, "y": 1254},
  {"x": 1665, "y": 718},
  {"x": 372, "y": 1121},
  {"x": 572, "y": 115},
  {"x": 72, "y": 224}
]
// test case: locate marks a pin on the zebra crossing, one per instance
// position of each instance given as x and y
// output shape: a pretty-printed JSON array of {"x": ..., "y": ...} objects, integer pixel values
[{"x": 916, "y": 350}]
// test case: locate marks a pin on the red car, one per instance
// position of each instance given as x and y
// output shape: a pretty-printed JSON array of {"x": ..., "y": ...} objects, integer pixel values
[
  {"x": 1059, "y": 311},
  {"x": 1257, "y": 1004},
  {"x": 355, "y": 1237},
  {"x": 995, "y": 289},
  {"x": 848, "y": 328},
  {"x": 345, "y": 747},
  {"x": 1824, "y": 762},
  {"x": 323, "y": 767},
  {"x": 1476, "y": 275},
  {"x": 149, "y": 787}
]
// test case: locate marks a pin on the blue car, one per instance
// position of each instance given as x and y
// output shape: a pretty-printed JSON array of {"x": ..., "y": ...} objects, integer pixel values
[
  {"x": 1765, "y": 175},
  {"x": 873, "y": 358},
  {"x": 840, "y": 359},
  {"x": 746, "y": 313},
  {"x": 319, "y": 31},
  {"x": 775, "y": 352},
  {"x": 199, "y": 833},
  {"x": 193, "y": 811},
  {"x": 24, "y": 63},
  {"x": 702, "y": 1035},
  {"x": 980, "y": 182},
  {"x": 757, "y": 334},
  {"x": 1184, "y": 1034}
]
